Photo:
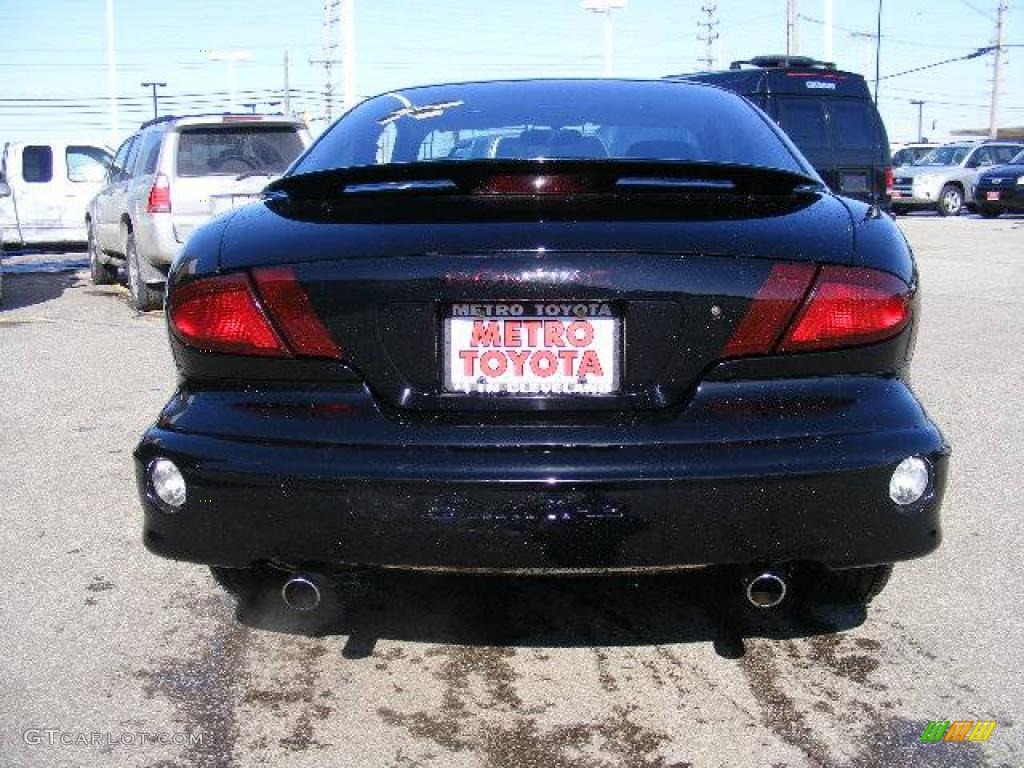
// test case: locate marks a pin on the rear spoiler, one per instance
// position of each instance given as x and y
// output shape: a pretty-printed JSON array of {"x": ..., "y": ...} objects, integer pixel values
[{"x": 539, "y": 177}]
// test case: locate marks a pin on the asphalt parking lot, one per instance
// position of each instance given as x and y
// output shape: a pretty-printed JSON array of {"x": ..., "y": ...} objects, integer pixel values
[{"x": 114, "y": 657}]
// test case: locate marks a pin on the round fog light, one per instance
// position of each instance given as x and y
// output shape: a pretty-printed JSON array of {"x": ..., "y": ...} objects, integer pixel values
[
  {"x": 909, "y": 481},
  {"x": 168, "y": 484}
]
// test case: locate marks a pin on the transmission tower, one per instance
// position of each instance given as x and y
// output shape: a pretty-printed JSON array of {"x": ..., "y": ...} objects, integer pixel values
[{"x": 709, "y": 33}]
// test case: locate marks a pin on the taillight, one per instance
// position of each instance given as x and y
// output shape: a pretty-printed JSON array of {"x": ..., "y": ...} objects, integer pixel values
[
  {"x": 289, "y": 305},
  {"x": 888, "y": 181},
  {"x": 846, "y": 307},
  {"x": 159, "y": 195},
  {"x": 220, "y": 314},
  {"x": 225, "y": 314},
  {"x": 771, "y": 310},
  {"x": 849, "y": 306}
]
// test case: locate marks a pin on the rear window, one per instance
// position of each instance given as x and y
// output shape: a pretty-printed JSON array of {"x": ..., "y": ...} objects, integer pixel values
[
  {"x": 594, "y": 120},
  {"x": 804, "y": 121},
  {"x": 237, "y": 150},
  {"x": 37, "y": 164},
  {"x": 854, "y": 124}
]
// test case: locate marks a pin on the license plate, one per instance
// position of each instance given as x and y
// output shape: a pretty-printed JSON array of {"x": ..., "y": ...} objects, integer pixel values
[
  {"x": 894, "y": 195},
  {"x": 991, "y": 195},
  {"x": 527, "y": 348}
]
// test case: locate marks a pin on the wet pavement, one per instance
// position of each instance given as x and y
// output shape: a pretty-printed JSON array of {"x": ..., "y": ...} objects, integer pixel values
[{"x": 114, "y": 657}]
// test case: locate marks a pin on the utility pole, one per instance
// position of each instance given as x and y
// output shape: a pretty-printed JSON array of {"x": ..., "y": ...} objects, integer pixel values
[
  {"x": 112, "y": 73},
  {"x": 154, "y": 86},
  {"x": 710, "y": 34},
  {"x": 792, "y": 28},
  {"x": 232, "y": 58},
  {"x": 348, "y": 54},
  {"x": 997, "y": 70},
  {"x": 329, "y": 54},
  {"x": 287, "y": 89},
  {"x": 878, "y": 51},
  {"x": 606, "y": 7},
  {"x": 827, "y": 31},
  {"x": 920, "y": 125}
]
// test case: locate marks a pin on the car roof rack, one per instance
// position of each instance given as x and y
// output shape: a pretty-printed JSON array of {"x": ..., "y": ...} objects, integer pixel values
[{"x": 783, "y": 61}]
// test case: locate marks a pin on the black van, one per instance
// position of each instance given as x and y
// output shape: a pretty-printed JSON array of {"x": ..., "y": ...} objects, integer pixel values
[{"x": 828, "y": 113}]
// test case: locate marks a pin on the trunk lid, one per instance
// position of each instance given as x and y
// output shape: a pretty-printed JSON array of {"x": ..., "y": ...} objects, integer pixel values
[{"x": 674, "y": 272}]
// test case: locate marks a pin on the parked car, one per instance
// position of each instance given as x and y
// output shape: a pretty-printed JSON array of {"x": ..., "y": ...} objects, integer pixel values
[
  {"x": 49, "y": 184},
  {"x": 1001, "y": 189},
  {"x": 172, "y": 175},
  {"x": 909, "y": 154},
  {"x": 944, "y": 178},
  {"x": 828, "y": 113},
  {"x": 669, "y": 347}
]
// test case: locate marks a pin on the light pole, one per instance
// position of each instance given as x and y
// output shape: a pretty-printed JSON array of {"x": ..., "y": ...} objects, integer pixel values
[
  {"x": 154, "y": 86},
  {"x": 606, "y": 7},
  {"x": 920, "y": 111},
  {"x": 232, "y": 58},
  {"x": 112, "y": 73}
]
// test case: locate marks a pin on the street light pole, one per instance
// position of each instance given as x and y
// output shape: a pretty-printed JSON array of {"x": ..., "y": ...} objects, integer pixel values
[
  {"x": 112, "y": 73},
  {"x": 920, "y": 124},
  {"x": 606, "y": 7},
  {"x": 232, "y": 58},
  {"x": 154, "y": 86}
]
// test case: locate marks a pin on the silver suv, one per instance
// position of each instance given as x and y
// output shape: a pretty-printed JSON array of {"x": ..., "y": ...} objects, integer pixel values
[
  {"x": 944, "y": 178},
  {"x": 172, "y": 175}
]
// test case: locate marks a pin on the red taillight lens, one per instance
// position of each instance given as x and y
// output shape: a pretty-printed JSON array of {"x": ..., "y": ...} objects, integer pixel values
[
  {"x": 849, "y": 306},
  {"x": 846, "y": 307},
  {"x": 159, "y": 195},
  {"x": 551, "y": 184},
  {"x": 289, "y": 305},
  {"x": 771, "y": 310},
  {"x": 220, "y": 314},
  {"x": 225, "y": 314},
  {"x": 888, "y": 180}
]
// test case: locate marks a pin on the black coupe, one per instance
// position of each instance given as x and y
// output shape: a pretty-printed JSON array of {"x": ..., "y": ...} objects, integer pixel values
[{"x": 551, "y": 326}]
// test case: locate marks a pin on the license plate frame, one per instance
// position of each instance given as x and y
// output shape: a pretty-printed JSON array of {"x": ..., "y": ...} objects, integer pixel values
[
  {"x": 992, "y": 196},
  {"x": 605, "y": 320}
]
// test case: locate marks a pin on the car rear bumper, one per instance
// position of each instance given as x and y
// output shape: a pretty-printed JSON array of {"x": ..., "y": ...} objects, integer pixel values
[
  {"x": 618, "y": 496},
  {"x": 154, "y": 239}
]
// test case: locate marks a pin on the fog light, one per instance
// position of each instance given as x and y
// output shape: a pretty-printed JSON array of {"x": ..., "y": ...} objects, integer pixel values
[
  {"x": 909, "y": 481},
  {"x": 168, "y": 484}
]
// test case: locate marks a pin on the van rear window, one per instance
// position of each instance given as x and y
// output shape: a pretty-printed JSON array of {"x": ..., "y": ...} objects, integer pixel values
[
  {"x": 237, "y": 150},
  {"x": 854, "y": 124},
  {"x": 804, "y": 121}
]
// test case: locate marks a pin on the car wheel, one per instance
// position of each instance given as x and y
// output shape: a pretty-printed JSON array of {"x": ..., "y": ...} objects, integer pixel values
[
  {"x": 144, "y": 298},
  {"x": 987, "y": 212},
  {"x": 852, "y": 586},
  {"x": 951, "y": 201},
  {"x": 101, "y": 274}
]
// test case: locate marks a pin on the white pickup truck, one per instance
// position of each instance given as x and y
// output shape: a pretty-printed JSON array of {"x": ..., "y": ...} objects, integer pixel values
[{"x": 45, "y": 188}]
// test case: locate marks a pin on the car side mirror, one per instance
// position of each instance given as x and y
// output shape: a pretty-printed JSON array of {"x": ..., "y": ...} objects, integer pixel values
[
  {"x": 972, "y": 164},
  {"x": 5, "y": 188}
]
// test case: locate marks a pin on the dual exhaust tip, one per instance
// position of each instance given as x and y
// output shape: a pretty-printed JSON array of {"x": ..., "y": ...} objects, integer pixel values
[
  {"x": 304, "y": 592},
  {"x": 766, "y": 589}
]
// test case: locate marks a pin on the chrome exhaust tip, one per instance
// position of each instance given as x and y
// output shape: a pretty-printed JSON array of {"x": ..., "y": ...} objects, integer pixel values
[
  {"x": 301, "y": 593},
  {"x": 766, "y": 590}
]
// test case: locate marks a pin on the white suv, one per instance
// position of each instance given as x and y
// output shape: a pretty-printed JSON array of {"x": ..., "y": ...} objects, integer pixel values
[
  {"x": 944, "y": 178},
  {"x": 172, "y": 175}
]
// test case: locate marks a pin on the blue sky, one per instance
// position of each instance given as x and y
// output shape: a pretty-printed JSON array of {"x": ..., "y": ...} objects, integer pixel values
[{"x": 54, "y": 74}]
